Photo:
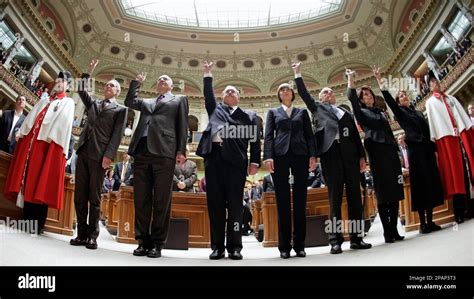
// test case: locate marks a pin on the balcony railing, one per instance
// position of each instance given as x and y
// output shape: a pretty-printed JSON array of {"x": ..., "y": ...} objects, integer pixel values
[
  {"x": 18, "y": 86},
  {"x": 459, "y": 68}
]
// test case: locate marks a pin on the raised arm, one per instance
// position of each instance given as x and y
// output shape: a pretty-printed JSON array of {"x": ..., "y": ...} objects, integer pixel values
[
  {"x": 209, "y": 97},
  {"x": 132, "y": 100},
  {"x": 302, "y": 91},
  {"x": 397, "y": 111},
  {"x": 86, "y": 77}
]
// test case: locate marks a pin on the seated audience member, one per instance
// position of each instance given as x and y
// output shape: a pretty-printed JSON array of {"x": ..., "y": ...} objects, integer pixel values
[
  {"x": 122, "y": 173},
  {"x": 185, "y": 175},
  {"x": 128, "y": 131},
  {"x": 268, "y": 183},
  {"x": 108, "y": 181}
]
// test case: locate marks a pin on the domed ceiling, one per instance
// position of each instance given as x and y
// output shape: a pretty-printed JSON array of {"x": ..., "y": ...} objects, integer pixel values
[{"x": 252, "y": 43}]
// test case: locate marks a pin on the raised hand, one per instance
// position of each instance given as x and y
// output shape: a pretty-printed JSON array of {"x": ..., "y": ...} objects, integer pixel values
[
  {"x": 141, "y": 77},
  {"x": 208, "y": 67},
  {"x": 92, "y": 65},
  {"x": 376, "y": 71},
  {"x": 350, "y": 78},
  {"x": 296, "y": 67},
  {"x": 350, "y": 73}
]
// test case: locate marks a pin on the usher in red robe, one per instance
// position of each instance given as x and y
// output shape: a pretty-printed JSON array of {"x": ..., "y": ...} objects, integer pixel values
[{"x": 42, "y": 166}]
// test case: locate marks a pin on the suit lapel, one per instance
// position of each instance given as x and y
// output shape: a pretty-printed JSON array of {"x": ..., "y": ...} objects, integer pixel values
[
  {"x": 111, "y": 105},
  {"x": 168, "y": 97},
  {"x": 331, "y": 113},
  {"x": 282, "y": 112}
]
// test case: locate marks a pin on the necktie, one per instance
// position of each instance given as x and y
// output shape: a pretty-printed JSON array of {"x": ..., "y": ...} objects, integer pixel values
[
  {"x": 124, "y": 169},
  {"x": 288, "y": 112},
  {"x": 104, "y": 104},
  {"x": 158, "y": 100}
]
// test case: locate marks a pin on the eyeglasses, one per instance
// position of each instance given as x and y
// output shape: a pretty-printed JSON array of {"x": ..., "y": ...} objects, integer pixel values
[
  {"x": 230, "y": 91},
  {"x": 110, "y": 85}
]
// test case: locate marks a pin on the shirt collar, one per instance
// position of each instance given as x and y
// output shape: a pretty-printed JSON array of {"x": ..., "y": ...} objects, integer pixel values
[{"x": 284, "y": 107}]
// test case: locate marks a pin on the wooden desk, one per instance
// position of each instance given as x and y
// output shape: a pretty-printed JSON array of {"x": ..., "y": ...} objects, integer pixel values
[
  {"x": 57, "y": 221},
  {"x": 441, "y": 215},
  {"x": 317, "y": 203},
  {"x": 192, "y": 206}
]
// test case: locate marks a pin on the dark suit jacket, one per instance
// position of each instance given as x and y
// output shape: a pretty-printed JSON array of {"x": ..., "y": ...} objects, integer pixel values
[
  {"x": 104, "y": 129},
  {"x": 283, "y": 133},
  {"x": 412, "y": 121},
  {"x": 234, "y": 150},
  {"x": 374, "y": 123},
  {"x": 186, "y": 174},
  {"x": 6, "y": 122},
  {"x": 165, "y": 123},
  {"x": 327, "y": 125},
  {"x": 118, "y": 173}
]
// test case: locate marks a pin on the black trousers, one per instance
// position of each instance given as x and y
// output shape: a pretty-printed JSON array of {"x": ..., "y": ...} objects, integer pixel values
[
  {"x": 35, "y": 212},
  {"x": 153, "y": 178},
  {"x": 89, "y": 178},
  {"x": 247, "y": 218},
  {"x": 337, "y": 172},
  {"x": 299, "y": 169},
  {"x": 224, "y": 189}
]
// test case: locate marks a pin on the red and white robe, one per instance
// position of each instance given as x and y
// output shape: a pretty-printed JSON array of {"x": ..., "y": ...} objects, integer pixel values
[
  {"x": 449, "y": 127},
  {"x": 38, "y": 165}
]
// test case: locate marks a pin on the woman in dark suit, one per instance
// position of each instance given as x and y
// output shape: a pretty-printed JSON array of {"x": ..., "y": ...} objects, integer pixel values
[
  {"x": 383, "y": 155},
  {"x": 289, "y": 144},
  {"x": 426, "y": 188}
]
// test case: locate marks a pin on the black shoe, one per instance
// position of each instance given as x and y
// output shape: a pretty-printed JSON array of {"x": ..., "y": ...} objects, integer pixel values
[
  {"x": 140, "y": 251},
  {"x": 459, "y": 219},
  {"x": 78, "y": 242},
  {"x": 155, "y": 252},
  {"x": 301, "y": 253},
  {"x": 388, "y": 238},
  {"x": 397, "y": 237},
  {"x": 425, "y": 229},
  {"x": 91, "y": 243},
  {"x": 434, "y": 227},
  {"x": 284, "y": 255},
  {"x": 361, "y": 245},
  {"x": 235, "y": 255},
  {"x": 217, "y": 255},
  {"x": 335, "y": 249}
]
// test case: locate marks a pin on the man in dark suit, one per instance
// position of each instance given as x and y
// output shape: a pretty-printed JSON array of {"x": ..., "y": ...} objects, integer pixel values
[
  {"x": 224, "y": 146},
  {"x": 342, "y": 160},
  {"x": 122, "y": 173},
  {"x": 268, "y": 183},
  {"x": 97, "y": 147},
  {"x": 159, "y": 142},
  {"x": 185, "y": 175},
  {"x": 10, "y": 123}
]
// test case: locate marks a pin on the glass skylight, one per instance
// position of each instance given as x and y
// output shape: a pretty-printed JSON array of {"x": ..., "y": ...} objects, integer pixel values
[{"x": 229, "y": 14}]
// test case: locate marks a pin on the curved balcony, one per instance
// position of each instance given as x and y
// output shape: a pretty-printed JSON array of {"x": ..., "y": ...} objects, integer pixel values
[
  {"x": 459, "y": 68},
  {"x": 18, "y": 86}
]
